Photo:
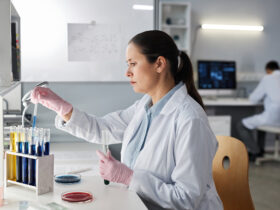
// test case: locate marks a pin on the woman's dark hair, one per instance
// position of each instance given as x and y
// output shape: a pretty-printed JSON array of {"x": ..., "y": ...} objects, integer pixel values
[
  {"x": 157, "y": 43},
  {"x": 272, "y": 65}
]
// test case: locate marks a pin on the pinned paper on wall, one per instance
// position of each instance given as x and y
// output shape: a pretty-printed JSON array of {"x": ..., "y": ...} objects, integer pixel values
[{"x": 93, "y": 42}]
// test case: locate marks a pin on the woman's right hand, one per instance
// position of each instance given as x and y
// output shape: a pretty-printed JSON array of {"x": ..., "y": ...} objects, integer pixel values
[
  {"x": 113, "y": 170},
  {"x": 49, "y": 99}
]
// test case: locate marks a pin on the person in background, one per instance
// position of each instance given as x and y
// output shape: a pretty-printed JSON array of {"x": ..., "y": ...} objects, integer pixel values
[
  {"x": 167, "y": 143},
  {"x": 268, "y": 91}
]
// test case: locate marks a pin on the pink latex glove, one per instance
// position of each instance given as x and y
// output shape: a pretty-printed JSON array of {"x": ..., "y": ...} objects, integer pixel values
[
  {"x": 49, "y": 99},
  {"x": 113, "y": 170}
]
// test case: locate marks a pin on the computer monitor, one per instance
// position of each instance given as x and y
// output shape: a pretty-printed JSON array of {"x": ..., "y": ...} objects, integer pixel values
[{"x": 216, "y": 77}]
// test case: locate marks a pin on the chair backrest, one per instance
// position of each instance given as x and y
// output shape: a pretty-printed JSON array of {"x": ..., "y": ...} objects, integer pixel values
[{"x": 232, "y": 183}]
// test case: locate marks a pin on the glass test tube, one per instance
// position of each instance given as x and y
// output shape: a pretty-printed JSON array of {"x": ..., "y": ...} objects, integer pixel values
[
  {"x": 24, "y": 139},
  {"x": 12, "y": 158},
  {"x": 39, "y": 142},
  {"x": 33, "y": 133},
  {"x": 18, "y": 137},
  {"x": 47, "y": 136}
]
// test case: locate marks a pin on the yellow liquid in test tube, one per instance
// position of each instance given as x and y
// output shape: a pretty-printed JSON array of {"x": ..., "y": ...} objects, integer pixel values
[{"x": 12, "y": 158}]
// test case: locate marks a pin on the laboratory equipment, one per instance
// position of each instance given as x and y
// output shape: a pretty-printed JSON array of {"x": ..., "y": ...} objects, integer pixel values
[
  {"x": 25, "y": 144},
  {"x": 32, "y": 151},
  {"x": 18, "y": 150},
  {"x": 26, "y": 101},
  {"x": 216, "y": 77},
  {"x": 37, "y": 170},
  {"x": 67, "y": 178},
  {"x": 34, "y": 115},
  {"x": 80, "y": 196},
  {"x": 39, "y": 141},
  {"x": 46, "y": 140},
  {"x": 43, "y": 182},
  {"x": 105, "y": 136},
  {"x": 11, "y": 158}
]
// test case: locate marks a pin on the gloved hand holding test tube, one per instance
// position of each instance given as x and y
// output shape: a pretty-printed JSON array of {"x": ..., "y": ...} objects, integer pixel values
[{"x": 105, "y": 139}]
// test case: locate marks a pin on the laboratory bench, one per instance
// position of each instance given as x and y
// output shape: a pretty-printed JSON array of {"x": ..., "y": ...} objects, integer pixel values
[
  {"x": 236, "y": 108},
  {"x": 74, "y": 157},
  {"x": 228, "y": 101}
]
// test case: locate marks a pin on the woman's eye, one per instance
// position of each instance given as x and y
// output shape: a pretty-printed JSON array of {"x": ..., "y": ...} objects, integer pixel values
[{"x": 131, "y": 64}]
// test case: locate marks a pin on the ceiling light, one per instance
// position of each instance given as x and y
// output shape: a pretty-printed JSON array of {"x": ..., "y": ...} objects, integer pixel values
[
  {"x": 232, "y": 27},
  {"x": 142, "y": 7}
]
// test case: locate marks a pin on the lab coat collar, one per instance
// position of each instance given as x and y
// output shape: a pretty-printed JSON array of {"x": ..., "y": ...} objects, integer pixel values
[
  {"x": 276, "y": 72},
  {"x": 156, "y": 108},
  {"x": 176, "y": 99}
]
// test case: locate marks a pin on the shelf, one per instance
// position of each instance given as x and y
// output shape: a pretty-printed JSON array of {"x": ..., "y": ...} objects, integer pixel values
[
  {"x": 175, "y": 20},
  {"x": 24, "y": 155},
  {"x": 44, "y": 171},
  {"x": 21, "y": 184},
  {"x": 175, "y": 26},
  {"x": 173, "y": 3}
]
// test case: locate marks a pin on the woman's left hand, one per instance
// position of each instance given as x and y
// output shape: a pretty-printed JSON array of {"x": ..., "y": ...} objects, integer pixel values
[{"x": 113, "y": 170}]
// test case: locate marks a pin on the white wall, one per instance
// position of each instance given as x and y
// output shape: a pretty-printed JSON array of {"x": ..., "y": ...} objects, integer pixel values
[
  {"x": 44, "y": 37},
  {"x": 251, "y": 50},
  {"x": 44, "y": 46}
]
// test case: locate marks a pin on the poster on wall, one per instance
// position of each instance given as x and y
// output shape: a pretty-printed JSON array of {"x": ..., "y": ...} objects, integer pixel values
[{"x": 92, "y": 42}]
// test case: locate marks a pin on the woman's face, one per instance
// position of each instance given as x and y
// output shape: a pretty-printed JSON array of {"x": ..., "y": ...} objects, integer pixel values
[{"x": 142, "y": 74}]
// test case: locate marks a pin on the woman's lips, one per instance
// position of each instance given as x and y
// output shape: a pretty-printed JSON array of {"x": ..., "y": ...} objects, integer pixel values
[{"x": 132, "y": 83}]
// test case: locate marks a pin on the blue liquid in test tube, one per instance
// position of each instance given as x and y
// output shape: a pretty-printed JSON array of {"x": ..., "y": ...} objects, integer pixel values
[
  {"x": 39, "y": 150},
  {"x": 32, "y": 162},
  {"x": 24, "y": 159},
  {"x": 47, "y": 148},
  {"x": 25, "y": 164},
  {"x": 18, "y": 158},
  {"x": 32, "y": 166}
]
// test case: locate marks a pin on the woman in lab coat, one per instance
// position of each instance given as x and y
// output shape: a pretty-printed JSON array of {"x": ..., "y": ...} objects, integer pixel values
[
  {"x": 267, "y": 91},
  {"x": 167, "y": 143}
]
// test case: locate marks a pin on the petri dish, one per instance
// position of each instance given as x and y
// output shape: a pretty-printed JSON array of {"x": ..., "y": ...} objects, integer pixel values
[
  {"x": 67, "y": 178},
  {"x": 77, "y": 196}
]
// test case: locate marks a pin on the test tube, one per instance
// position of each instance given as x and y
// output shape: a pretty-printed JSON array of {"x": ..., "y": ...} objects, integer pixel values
[
  {"x": 33, "y": 133},
  {"x": 47, "y": 136},
  {"x": 24, "y": 139},
  {"x": 12, "y": 158},
  {"x": 18, "y": 137},
  {"x": 105, "y": 137},
  {"x": 39, "y": 142}
]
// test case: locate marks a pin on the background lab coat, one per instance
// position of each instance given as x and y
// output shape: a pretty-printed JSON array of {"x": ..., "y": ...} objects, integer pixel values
[
  {"x": 269, "y": 90},
  {"x": 174, "y": 169}
]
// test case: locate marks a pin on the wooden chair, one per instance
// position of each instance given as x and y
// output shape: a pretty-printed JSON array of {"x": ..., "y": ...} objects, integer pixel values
[{"x": 232, "y": 182}]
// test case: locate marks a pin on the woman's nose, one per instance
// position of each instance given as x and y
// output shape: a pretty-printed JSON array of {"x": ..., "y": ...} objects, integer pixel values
[{"x": 128, "y": 73}]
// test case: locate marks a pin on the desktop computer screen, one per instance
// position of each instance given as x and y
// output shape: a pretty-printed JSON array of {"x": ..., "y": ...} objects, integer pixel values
[{"x": 216, "y": 74}]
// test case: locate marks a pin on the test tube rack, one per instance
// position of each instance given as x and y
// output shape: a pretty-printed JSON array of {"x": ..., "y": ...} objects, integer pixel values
[{"x": 44, "y": 172}]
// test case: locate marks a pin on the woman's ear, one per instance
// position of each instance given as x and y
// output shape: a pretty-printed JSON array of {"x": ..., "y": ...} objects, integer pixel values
[{"x": 160, "y": 64}]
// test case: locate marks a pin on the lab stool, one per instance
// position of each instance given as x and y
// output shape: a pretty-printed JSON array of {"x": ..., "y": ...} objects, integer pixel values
[{"x": 275, "y": 157}]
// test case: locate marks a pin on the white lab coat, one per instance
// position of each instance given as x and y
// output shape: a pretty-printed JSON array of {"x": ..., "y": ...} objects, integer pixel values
[
  {"x": 268, "y": 90},
  {"x": 174, "y": 169}
]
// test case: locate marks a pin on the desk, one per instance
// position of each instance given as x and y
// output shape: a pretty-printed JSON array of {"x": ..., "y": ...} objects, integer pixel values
[
  {"x": 113, "y": 196},
  {"x": 236, "y": 108},
  {"x": 229, "y": 102}
]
